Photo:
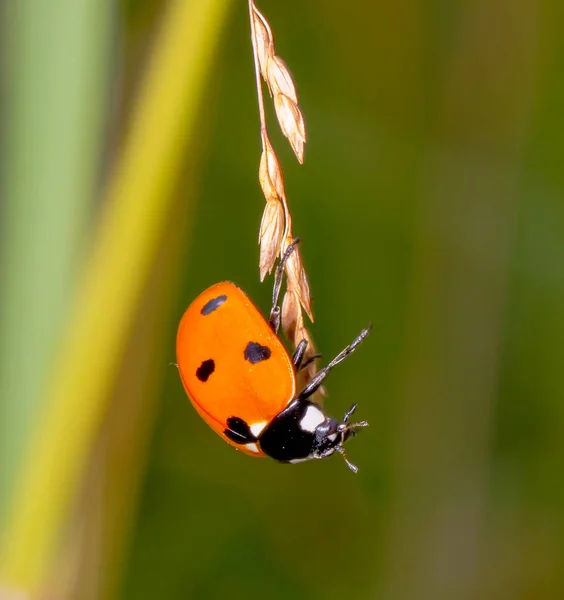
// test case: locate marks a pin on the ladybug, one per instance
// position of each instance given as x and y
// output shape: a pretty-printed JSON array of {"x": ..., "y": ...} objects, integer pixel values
[{"x": 242, "y": 381}]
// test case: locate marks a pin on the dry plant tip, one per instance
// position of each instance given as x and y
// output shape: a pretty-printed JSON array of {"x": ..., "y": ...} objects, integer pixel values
[
  {"x": 280, "y": 84},
  {"x": 263, "y": 39}
]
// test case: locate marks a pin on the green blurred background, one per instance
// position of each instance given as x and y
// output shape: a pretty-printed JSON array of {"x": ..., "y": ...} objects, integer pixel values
[{"x": 431, "y": 203}]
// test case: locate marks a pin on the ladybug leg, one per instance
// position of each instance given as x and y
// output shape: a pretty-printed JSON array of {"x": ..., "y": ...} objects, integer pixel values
[
  {"x": 349, "y": 431},
  {"x": 320, "y": 376},
  {"x": 353, "y": 426},
  {"x": 349, "y": 413},
  {"x": 299, "y": 354},
  {"x": 308, "y": 362},
  {"x": 350, "y": 465},
  {"x": 274, "y": 318}
]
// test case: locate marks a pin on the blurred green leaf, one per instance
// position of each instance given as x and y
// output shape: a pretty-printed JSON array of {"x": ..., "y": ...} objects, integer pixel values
[{"x": 55, "y": 84}]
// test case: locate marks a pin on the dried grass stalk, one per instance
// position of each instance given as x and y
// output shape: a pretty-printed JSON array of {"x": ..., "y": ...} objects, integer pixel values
[{"x": 276, "y": 226}]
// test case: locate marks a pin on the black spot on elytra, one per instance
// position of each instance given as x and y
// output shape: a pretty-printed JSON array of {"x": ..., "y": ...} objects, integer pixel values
[
  {"x": 204, "y": 371},
  {"x": 238, "y": 431},
  {"x": 256, "y": 353},
  {"x": 213, "y": 304}
]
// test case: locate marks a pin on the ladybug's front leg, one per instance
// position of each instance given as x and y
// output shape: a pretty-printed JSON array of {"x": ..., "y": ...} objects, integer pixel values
[{"x": 274, "y": 318}]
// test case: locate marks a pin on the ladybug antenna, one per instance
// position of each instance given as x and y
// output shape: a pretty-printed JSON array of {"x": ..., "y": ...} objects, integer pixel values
[
  {"x": 351, "y": 428},
  {"x": 349, "y": 431},
  {"x": 350, "y": 465}
]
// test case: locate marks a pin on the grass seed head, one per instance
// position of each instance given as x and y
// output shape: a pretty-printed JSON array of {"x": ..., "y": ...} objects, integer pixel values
[
  {"x": 263, "y": 37},
  {"x": 292, "y": 123},
  {"x": 280, "y": 84},
  {"x": 270, "y": 174},
  {"x": 270, "y": 236},
  {"x": 276, "y": 226},
  {"x": 280, "y": 79},
  {"x": 297, "y": 279}
]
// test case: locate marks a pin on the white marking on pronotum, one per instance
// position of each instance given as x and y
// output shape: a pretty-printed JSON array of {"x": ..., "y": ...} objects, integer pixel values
[
  {"x": 332, "y": 437},
  {"x": 252, "y": 447},
  {"x": 256, "y": 428},
  {"x": 312, "y": 419}
]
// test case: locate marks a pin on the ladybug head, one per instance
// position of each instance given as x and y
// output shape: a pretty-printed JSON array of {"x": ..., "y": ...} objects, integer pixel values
[
  {"x": 332, "y": 434},
  {"x": 302, "y": 431}
]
